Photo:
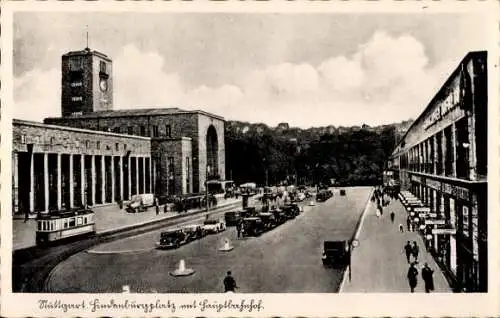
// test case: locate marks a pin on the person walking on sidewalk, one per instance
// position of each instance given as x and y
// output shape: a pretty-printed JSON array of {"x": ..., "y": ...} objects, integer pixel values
[
  {"x": 408, "y": 251},
  {"x": 412, "y": 277},
  {"x": 427, "y": 277},
  {"x": 401, "y": 228},
  {"x": 392, "y": 216},
  {"x": 408, "y": 223},
  {"x": 229, "y": 283},
  {"x": 238, "y": 229},
  {"x": 415, "y": 251}
]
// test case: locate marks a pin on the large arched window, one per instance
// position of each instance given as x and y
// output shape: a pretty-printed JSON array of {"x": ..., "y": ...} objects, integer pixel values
[{"x": 212, "y": 153}]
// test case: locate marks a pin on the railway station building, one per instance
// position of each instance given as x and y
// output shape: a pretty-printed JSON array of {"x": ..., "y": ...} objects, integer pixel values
[
  {"x": 99, "y": 155},
  {"x": 442, "y": 159}
]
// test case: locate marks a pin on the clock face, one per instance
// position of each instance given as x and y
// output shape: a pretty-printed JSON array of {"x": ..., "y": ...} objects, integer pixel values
[{"x": 103, "y": 84}]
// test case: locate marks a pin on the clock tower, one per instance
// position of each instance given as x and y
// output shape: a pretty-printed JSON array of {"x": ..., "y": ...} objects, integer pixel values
[{"x": 87, "y": 83}]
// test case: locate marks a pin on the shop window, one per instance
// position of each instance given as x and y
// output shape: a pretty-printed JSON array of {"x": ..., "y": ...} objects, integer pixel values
[
  {"x": 130, "y": 130},
  {"x": 462, "y": 148}
]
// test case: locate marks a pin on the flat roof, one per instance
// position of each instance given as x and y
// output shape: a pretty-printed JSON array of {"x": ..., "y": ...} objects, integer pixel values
[
  {"x": 88, "y": 131},
  {"x": 87, "y": 51},
  {"x": 139, "y": 112}
]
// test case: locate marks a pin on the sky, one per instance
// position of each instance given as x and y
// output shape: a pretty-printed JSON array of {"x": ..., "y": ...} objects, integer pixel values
[{"x": 308, "y": 70}]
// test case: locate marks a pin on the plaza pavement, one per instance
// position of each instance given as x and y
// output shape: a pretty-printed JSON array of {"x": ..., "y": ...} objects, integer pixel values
[
  {"x": 379, "y": 262},
  {"x": 108, "y": 218}
]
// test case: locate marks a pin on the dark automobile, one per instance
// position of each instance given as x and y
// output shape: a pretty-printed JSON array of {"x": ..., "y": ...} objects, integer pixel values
[
  {"x": 252, "y": 226},
  {"x": 268, "y": 220},
  {"x": 193, "y": 232},
  {"x": 172, "y": 239},
  {"x": 336, "y": 253},
  {"x": 291, "y": 210},
  {"x": 324, "y": 195},
  {"x": 342, "y": 192},
  {"x": 279, "y": 216},
  {"x": 232, "y": 217},
  {"x": 250, "y": 211}
]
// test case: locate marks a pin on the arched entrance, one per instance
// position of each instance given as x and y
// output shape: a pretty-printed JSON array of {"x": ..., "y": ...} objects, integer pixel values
[{"x": 212, "y": 153}]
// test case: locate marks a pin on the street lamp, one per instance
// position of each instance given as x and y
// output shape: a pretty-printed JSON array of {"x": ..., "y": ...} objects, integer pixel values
[{"x": 353, "y": 245}]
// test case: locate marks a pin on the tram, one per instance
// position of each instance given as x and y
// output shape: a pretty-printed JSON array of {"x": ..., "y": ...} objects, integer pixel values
[{"x": 64, "y": 225}]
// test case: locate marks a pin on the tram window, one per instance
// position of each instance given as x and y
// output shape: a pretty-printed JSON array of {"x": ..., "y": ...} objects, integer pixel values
[
  {"x": 85, "y": 220},
  {"x": 65, "y": 224},
  {"x": 44, "y": 226},
  {"x": 39, "y": 226},
  {"x": 52, "y": 226},
  {"x": 72, "y": 222}
]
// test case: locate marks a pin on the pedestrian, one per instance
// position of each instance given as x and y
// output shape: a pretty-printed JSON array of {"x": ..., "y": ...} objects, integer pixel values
[
  {"x": 401, "y": 228},
  {"x": 412, "y": 277},
  {"x": 408, "y": 224},
  {"x": 157, "y": 206},
  {"x": 408, "y": 251},
  {"x": 238, "y": 228},
  {"x": 392, "y": 216},
  {"x": 26, "y": 215},
  {"x": 427, "y": 277},
  {"x": 415, "y": 251},
  {"x": 229, "y": 283}
]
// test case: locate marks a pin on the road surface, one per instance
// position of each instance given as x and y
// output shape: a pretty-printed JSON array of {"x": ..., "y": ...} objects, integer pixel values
[{"x": 284, "y": 260}]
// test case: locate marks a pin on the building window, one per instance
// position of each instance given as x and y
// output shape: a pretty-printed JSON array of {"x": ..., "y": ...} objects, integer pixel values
[
  {"x": 76, "y": 84},
  {"x": 171, "y": 180},
  {"x": 98, "y": 145},
  {"x": 117, "y": 146},
  {"x": 188, "y": 174},
  {"x": 87, "y": 144},
  {"x": 76, "y": 63},
  {"x": 155, "y": 131},
  {"x": 143, "y": 131},
  {"x": 449, "y": 157},
  {"x": 102, "y": 67},
  {"x": 23, "y": 139},
  {"x": 168, "y": 131},
  {"x": 52, "y": 140},
  {"x": 124, "y": 146},
  {"x": 130, "y": 130},
  {"x": 76, "y": 98}
]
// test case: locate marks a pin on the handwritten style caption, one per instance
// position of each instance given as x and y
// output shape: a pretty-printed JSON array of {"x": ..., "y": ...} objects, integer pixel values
[{"x": 202, "y": 305}]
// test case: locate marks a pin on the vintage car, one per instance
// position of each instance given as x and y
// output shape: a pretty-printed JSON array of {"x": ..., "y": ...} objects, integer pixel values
[
  {"x": 324, "y": 195},
  {"x": 252, "y": 226},
  {"x": 232, "y": 218},
  {"x": 268, "y": 220},
  {"x": 279, "y": 216},
  {"x": 291, "y": 210},
  {"x": 336, "y": 253},
  {"x": 140, "y": 202},
  {"x": 214, "y": 225},
  {"x": 194, "y": 231},
  {"x": 172, "y": 239}
]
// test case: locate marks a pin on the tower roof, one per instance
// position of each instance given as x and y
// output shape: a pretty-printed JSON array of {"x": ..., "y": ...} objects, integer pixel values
[{"x": 86, "y": 51}]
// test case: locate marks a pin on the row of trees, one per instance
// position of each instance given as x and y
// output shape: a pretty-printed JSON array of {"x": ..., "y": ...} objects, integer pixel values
[{"x": 353, "y": 157}]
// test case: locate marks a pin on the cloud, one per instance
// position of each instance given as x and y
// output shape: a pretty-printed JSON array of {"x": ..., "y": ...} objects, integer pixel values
[{"x": 387, "y": 79}]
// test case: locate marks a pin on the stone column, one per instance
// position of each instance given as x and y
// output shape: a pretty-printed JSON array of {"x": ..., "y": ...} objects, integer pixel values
[
  {"x": 46, "y": 180},
  {"x": 129, "y": 177},
  {"x": 59, "y": 201},
  {"x": 94, "y": 183},
  {"x": 15, "y": 184},
  {"x": 113, "y": 179},
  {"x": 82, "y": 179},
  {"x": 435, "y": 158},
  {"x": 32, "y": 183},
  {"x": 454, "y": 149},
  {"x": 71, "y": 183},
  {"x": 121, "y": 178},
  {"x": 471, "y": 133},
  {"x": 103, "y": 176},
  {"x": 137, "y": 175}
]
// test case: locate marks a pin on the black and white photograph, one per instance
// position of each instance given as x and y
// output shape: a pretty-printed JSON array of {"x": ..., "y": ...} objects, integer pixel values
[{"x": 238, "y": 152}]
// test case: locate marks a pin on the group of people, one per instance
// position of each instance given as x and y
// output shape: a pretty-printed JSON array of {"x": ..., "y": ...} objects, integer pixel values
[{"x": 427, "y": 277}]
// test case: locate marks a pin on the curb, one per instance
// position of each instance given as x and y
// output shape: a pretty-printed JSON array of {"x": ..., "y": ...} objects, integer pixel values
[{"x": 356, "y": 236}]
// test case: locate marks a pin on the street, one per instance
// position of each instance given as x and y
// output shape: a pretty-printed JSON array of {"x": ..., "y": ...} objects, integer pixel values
[{"x": 287, "y": 259}]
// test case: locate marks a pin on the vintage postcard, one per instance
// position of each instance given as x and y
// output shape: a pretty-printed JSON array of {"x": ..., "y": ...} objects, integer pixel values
[{"x": 249, "y": 159}]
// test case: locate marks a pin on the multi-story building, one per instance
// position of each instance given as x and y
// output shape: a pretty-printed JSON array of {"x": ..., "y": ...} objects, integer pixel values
[
  {"x": 442, "y": 159},
  {"x": 111, "y": 154}
]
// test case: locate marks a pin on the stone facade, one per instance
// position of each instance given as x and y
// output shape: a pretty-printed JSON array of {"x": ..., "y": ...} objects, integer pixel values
[
  {"x": 164, "y": 126},
  {"x": 56, "y": 167}
]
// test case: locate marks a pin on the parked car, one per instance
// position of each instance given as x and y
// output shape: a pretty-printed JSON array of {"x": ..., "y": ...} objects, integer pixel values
[
  {"x": 194, "y": 231},
  {"x": 232, "y": 218},
  {"x": 336, "y": 253},
  {"x": 252, "y": 226},
  {"x": 172, "y": 239},
  {"x": 268, "y": 220},
  {"x": 324, "y": 195},
  {"x": 140, "y": 202},
  {"x": 214, "y": 225}
]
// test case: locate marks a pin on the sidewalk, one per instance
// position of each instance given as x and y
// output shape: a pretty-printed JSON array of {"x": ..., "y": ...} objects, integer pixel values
[
  {"x": 379, "y": 262},
  {"x": 108, "y": 218}
]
